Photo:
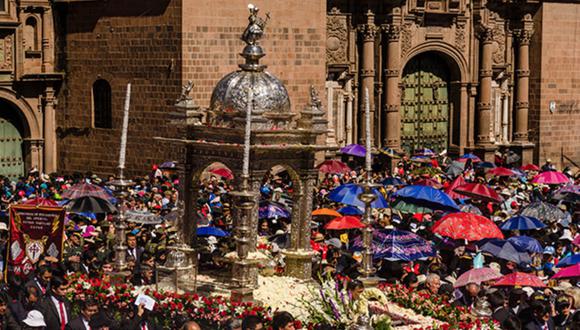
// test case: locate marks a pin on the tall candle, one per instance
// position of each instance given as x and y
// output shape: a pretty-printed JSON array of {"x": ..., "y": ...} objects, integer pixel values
[
  {"x": 368, "y": 133},
  {"x": 123, "y": 150},
  {"x": 248, "y": 132}
]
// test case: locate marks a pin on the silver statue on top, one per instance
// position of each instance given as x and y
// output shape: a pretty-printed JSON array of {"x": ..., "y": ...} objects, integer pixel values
[
  {"x": 255, "y": 29},
  {"x": 315, "y": 101},
  {"x": 185, "y": 91}
]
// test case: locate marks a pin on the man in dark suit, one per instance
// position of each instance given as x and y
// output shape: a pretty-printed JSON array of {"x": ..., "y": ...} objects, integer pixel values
[
  {"x": 89, "y": 308},
  {"x": 141, "y": 321},
  {"x": 54, "y": 306},
  {"x": 41, "y": 280},
  {"x": 542, "y": 319},
  {"x": 132, "y": 249}
]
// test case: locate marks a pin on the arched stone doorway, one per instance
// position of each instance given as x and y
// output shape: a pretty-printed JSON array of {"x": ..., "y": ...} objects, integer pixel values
[
  {"x": 430, "y": 102},
  {"x": 14, "y": 138}
]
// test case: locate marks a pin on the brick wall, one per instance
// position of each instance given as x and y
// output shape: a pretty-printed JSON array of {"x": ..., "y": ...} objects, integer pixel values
[
  {"x": 556, "y": 77},
  {"x": 294, "y": 42},
  {"x": 122, "y": 41}
]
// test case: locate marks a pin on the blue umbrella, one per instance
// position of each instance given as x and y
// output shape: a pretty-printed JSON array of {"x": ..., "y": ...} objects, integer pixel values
[
  {"x": 522, "y": 222},
  {"x": 424, "y": 152},
  {"x": 470, "y": 156},
  {"x": 428, "y": 197},
  {"x": 350, "y": 210},
  {"x": 507, "y": 251},
  {"x": 348, "y": 194},
  {"x": 270, "y": 209},
  {"x": 397, "y": 245},
  {"x": 211, "y": 231},
  {"x": 354, "y": 150},
  {"x": 393, "y": 182},
  {"x": 570, "y": 260},
  {"x": 485, "y": 165},
  {"x": 526, "y": 244}
]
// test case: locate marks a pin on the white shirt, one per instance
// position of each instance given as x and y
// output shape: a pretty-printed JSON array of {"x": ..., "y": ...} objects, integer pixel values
[
  {"x": 57, "y": 303},
  {"x": 86, "y": 323}
]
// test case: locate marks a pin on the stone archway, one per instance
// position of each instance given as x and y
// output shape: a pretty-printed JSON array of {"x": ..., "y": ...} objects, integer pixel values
[{"x": 434, "y": 108}]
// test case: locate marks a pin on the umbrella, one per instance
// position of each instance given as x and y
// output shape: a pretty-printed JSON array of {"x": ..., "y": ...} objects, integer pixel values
[
  {"x": 569, "y": 260},
  {"x": 143, "y": 217},
  {"x": 427, "y": 197},
  {"x": 545, "y": 212},
  {"x": 390, "y": 152},
  {"x": 468, "y": 226},
  {"x": 455, "y": 169},
  {"x": 479, "y": 191},
  {"x": 473, "y": 158},
  {"x": 507, "y": 251},
  {"x": 168, "y": 165},
  {"x": 568, "y": 192},
  {"x": 391, "y": 181},
  {"x": 348, "y": 194},
  {"x": 399, "y": 245},
  {"x": 223, "y": 172},
  {"x": 211, "y": 231},
  {"x": 344, "y": 222},
  {"x": 428, "y": 182},
  {"x": 333, "y": 167},
  {"x": 421, "y": 159},
  {"x": 270, "y": 209},
  {"x": 424, "y": 152},
  {"x": 354, "y": 150},
  {"x": 485, "y": 165},
  {"x": 526, "y": 243},
  {"x": 501, "y": 171},
  {"x": 551, "y": 177},
  {"x": 520, "y": 279},
  {"x": 530, "y": 167},
  {"x": 458, "y": 182},
  {"x": 569, "y": 272},
  {"x": 377, "y": 243},
  {"x": 91, "y": 204},
  {"x": 350, "y": 210},
  {"x": 40, "y": 201},
  {"x": 477, "y": 276},
  {"x": 87, "y": 189},
  {"x": 470, "y": 208},
  {"x": 410, "y": 208},
  {"x": 522, "y": 222},
  {"x": 326, "y": 212}
]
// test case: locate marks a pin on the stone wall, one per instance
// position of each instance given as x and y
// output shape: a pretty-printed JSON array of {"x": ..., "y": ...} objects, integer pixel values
[
  {"x": 294, "y": 42},
  {"x": 555, "y": 69},
  {"x": 122, "y": 41}
]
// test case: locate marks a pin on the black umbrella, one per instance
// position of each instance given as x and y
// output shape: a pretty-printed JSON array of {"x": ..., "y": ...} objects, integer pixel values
[{"x": 91, "y": 204}]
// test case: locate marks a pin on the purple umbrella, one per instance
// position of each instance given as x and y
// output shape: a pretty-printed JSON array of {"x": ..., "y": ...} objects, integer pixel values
[
  {"x": 397, "y": 245},
  {"x": 270, "y": 209},
  {"x": 354, "y": 150}
]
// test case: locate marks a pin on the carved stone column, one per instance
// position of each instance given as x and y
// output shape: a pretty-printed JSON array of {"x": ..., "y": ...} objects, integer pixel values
[
  {"x": 392, "y": 99},
  {"x": 350, "y": 134},
  {"x": 331, "y": 88},
  {"x": 521, "y": 138},
  {"x": 484, "y": 141},
  {"x": 463, "y": 117},
  {"x": 47, "y": 56},
  {"x": 369, "y": 32},
  {"x": 50, "y": 156}
]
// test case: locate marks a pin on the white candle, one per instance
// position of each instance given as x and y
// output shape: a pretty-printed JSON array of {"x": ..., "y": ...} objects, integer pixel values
[
  {"x": 248, "y": 132},
  {"x": 123, "y": 150},
  {"x": 368, "y": 133}
]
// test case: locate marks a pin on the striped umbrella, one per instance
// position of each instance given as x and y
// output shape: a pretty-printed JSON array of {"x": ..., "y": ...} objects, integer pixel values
[{"x": 87, "y": 190}]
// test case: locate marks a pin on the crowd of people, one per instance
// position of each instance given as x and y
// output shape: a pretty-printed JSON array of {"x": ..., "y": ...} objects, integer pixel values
[{"x": 39, "y": 301}]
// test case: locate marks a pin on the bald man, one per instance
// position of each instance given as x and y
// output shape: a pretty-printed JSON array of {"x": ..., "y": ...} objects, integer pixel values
[{"x": 190, "y": 326}]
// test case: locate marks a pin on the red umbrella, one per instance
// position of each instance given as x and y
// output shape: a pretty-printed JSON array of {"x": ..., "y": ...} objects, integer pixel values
[
  {"x": 530, "y": 167},
  {"x": 501, "y": 171},
  {"x": 428, "y": 182},
  {"x": 333, "y": 167},
  {"x": 459, "y": 181},
  {"x": 569, "y": 272},
  {"x": 479, "y": 191},
  {"x": 87, "y": 190},
  {"x": 520, "y": 279},
  {"x": 41, "y": 202},
  {"x": 345, "y": 222},
  {"x": 468, "y": 226},
  {"x": 223, "y": 172},
  {"x": 551, "y": 177}
]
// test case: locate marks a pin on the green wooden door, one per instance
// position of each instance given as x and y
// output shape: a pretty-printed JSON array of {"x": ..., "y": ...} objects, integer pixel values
[
  {"x": 11, "y": 162},
  {"x": 425, "y": 104}
]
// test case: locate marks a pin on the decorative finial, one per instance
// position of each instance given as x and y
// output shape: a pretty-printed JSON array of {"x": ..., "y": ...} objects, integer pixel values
[
  {"x": 256, "y": 25},
  {"x": 185, "y": 90}
]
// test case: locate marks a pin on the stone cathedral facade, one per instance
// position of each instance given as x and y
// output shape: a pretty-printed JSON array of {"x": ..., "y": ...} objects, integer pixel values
[{"x": 456, "y": 75}]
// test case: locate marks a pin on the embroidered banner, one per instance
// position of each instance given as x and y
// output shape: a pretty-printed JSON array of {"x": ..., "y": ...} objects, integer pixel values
[{"x": 35, "y": 231}]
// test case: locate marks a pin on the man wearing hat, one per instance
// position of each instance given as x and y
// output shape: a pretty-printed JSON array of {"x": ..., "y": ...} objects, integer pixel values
[{"x": 548, "y": 166}]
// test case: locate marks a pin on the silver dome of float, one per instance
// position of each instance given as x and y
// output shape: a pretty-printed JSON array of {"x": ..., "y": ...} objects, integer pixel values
[{"x": 229, "y": 100}]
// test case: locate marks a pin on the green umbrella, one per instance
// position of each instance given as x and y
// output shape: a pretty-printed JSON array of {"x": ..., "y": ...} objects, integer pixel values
[{"x": 406, "y": 207}]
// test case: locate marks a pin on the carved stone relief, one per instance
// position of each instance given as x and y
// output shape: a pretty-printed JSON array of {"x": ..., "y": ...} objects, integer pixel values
[
  {"x": 337, "y": 38},
  {"x": 499, "y": 43},
  {"x": 406, "y": 38},
  {"x": 460, "y": 37},
  {"x": 6, "y": 50}
]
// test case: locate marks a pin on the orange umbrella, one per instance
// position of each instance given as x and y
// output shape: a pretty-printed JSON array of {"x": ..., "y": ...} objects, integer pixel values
[
  {"x": 326, "y": 212},
  {"x": 345, "y": 222}
]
